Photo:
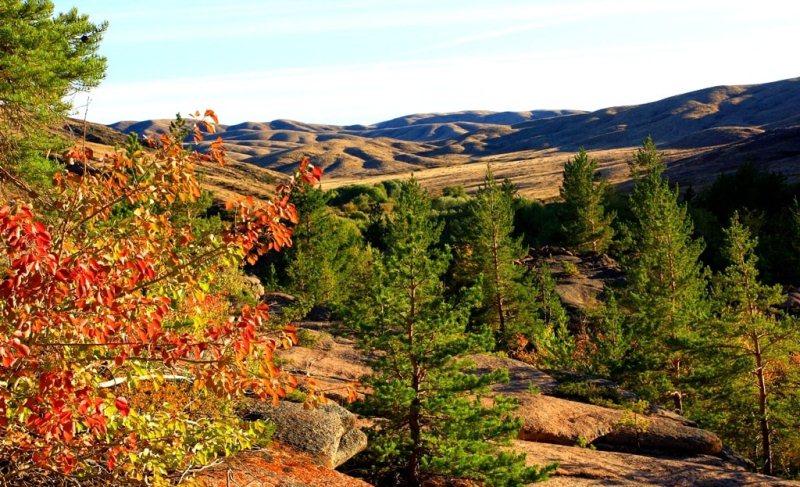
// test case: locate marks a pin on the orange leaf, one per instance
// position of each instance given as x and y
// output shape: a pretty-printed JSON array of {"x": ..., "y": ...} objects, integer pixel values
[{"x": 210, "y": 113}]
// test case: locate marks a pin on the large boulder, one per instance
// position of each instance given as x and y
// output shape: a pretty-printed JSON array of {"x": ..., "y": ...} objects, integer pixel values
[
  {"x": 554, "y": 420},
  {"x": 328, "y": 432},
  {"x": 280, "y": 466},
  {"x": 253, "y": 284}
]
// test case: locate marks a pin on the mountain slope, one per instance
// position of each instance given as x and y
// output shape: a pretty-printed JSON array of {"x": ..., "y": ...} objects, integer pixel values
[
  {"x": 705, "y": 132},
  {"x": 668, "y": 121}
]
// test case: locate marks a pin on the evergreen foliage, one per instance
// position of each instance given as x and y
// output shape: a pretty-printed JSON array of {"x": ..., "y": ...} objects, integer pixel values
[
  {"x": 750, "y": 370},
  {"x": 507, "y": 296},
  {"x": 610, "y": 340},
  {"x": 325, "y": 252},
  {"x": 436, "y": 424},
  {"x": 538, "y": 224},
  {"x": 45, "y": 59},
  {"x": 555, "y": 344},
  {"x": 764, "y": 201},
  {"x": 666, "y": 280},
  {"x": 586, "y": 224}
]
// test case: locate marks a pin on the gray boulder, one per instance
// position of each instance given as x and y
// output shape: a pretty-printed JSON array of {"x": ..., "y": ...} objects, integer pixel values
[
  {"x": 328, "y": 432},
  {"x": 254, "y": 285}
]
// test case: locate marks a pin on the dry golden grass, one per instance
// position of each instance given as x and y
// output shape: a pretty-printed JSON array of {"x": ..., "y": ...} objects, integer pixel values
[
  {"x": 236, "y": 180},
  {"x": 537, "y": 174}
]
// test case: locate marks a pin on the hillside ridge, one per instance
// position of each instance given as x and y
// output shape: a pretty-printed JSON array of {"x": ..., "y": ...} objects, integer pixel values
[{"x": 707, "y": 130}]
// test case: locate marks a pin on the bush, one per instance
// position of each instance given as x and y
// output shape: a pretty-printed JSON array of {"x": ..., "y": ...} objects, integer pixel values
[
  {"x": 570, "y": 268},
  {"x": 589, "y": 392},
  {"x": 115, "y": 286},
  {"x": 360, "y": 195}
]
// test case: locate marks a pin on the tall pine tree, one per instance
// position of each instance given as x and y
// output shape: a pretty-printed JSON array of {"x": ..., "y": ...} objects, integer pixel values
[
  {"x": 586, "y": 224},
  {"x": 436, "y": 424},
  {"x": 666, "y": 280},
  {"x": 508, "y": 301},
  {"x": 750, "y": 357},
  {"x": 554, "y": 343}
]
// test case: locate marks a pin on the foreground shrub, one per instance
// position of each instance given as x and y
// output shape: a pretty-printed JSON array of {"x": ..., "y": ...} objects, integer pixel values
[{"x": 105, "y": 284}]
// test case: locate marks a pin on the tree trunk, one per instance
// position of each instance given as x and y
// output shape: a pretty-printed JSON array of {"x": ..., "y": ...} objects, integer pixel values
[
  {"x": 414, "y": 413},
  {"x": 497, "y": 284},
  {"x": 414, "y": 477},
  {"x": 677, "y": 395},
  {"x": 766, "y": 446},
  {"x": 677, "y": 399}
]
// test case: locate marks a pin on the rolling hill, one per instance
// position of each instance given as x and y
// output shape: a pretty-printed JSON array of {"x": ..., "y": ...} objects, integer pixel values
[{"x": 702, "y": 133}]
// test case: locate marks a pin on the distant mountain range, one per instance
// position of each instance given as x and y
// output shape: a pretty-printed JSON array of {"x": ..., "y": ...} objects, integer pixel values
[{"x": 702, "y": 133}]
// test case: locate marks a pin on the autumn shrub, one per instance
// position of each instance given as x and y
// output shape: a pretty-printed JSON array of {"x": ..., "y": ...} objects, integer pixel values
[{"x": 107, "y": 291}]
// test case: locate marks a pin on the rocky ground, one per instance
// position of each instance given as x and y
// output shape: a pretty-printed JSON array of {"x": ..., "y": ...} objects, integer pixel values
[
  {"x": 281, "y": 466},
  {"x": 593, "y": 445}
]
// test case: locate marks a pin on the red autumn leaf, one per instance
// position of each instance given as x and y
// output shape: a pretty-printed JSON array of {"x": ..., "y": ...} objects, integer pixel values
[
  {"x": 111, "y": 462},
  {"x": 122, "y": 406}
]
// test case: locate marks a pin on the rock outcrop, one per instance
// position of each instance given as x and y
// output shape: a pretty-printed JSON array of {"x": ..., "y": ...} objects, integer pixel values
[
  {"x": 522, "y": 377},
  {"x": 334, "y": 363},
  {"x": 253, "y": 284},
  {"x": 656, "y": 447},
  {"x": 554, "y": 420},
  {"x": 580, "y": 279},
  {"x": 328, "y": 433},
  {"x": 585, "y": 467},
  {"x": 793, "y": 299}
]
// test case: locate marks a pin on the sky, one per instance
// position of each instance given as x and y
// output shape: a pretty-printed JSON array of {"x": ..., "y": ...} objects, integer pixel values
[{"x": 364, "y": 61}]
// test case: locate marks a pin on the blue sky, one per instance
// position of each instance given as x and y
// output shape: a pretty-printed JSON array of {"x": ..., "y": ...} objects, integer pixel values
[{"x": 363, "y": 61}]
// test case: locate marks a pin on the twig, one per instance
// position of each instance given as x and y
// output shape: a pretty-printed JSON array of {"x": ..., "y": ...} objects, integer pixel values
[{"x": 4, "y": 174}]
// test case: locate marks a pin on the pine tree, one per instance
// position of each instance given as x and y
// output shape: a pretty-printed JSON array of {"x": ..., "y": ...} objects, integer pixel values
[
  {"x": 587, "y": 226},
  {"x": 666, "y": 280},
  {"x": 508, "y": 300},
  {"x": 44, "y": 58},
  {"x": 647, "y": 161},
  {"x": 555, "y": 344},
  {"x": 421, "y": 384},
  {"x": 793, "y": 231},
  {"x": 750, "y": 354},
  {"x": 326, "y": 247},
  {"x": 610, "y": 341}
]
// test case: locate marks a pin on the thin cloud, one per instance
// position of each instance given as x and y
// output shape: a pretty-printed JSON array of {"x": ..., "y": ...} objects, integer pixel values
[
  {"x": 572, "y": 12},
  {"x": 363, "y": 93}
]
